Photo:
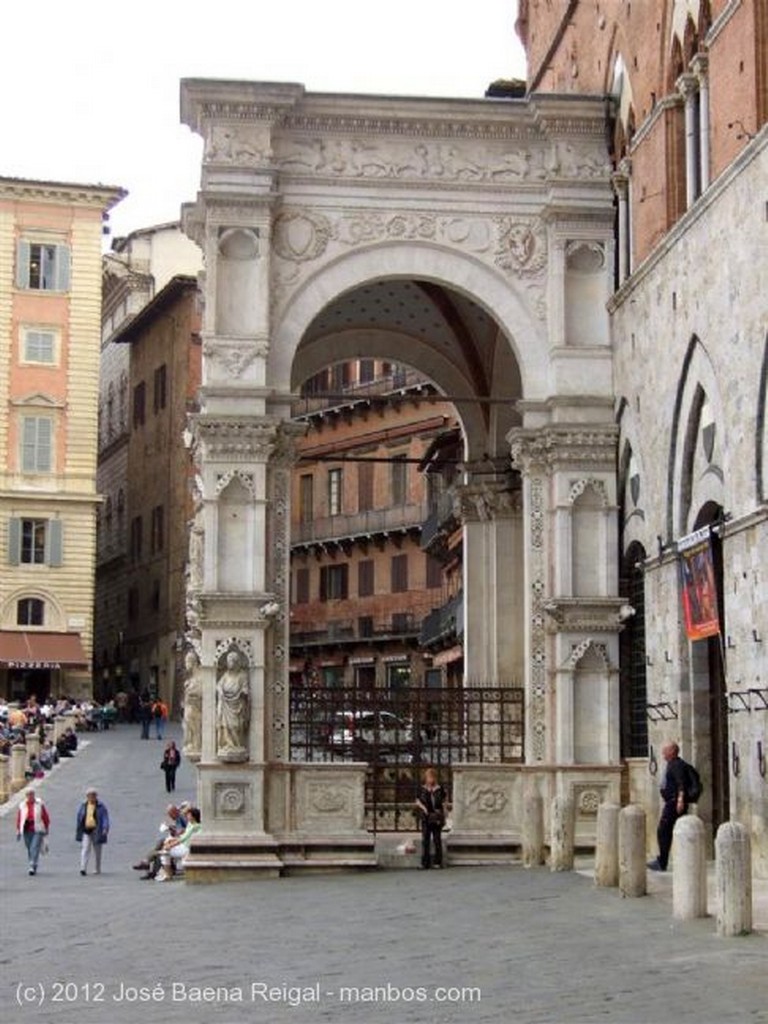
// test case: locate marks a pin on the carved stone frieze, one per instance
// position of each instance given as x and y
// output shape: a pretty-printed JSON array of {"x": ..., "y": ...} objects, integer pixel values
[
  {"x": 583, "y": 615},
  {"x": 242, "y": 145},
  {"x": 278, "y": 551},
  {"x": 322, "y": 799},
  {"x": 246, "y": 438},
  {"x": 299, "y": 236},
  {"x": 246, "y": 479},
  {"x": 456, "y": 161},
  {"x": 235, "y": 357},
  {"x": 487, "y": 799},
  {"x": 484, "y": 503},
  {"x": 588, "y": 797},
  {"x": 580, "y": 649},
  {"x": 230, "y": 799},
  {"x": 549, "y": 447},
  {"x": 537, "y": 667},
  {"x": 522, "y": 246},
  {"x": 235, "y": 643},
  {"x": 580, "y": 486}
]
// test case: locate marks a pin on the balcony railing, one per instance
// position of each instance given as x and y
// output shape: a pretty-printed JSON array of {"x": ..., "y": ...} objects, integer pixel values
[
  {"x": 401, "y": 379},
  {"x": 360, "y": 524},
  {"x": 441, "y": 513},
  {"x": 444, "y": 623},
  {"x": 401, "y": 624}
]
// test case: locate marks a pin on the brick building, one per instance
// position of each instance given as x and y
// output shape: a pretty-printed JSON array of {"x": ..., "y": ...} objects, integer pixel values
[
  {"x": 687, "y": 84},
  {"x": 362, "y": 585},
  {"x": 146, "y": 580}
]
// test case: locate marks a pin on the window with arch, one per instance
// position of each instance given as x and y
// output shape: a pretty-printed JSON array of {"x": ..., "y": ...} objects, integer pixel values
[{"x": 30, "y": 611}]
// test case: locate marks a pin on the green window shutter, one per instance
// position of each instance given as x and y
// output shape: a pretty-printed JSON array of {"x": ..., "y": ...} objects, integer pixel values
[
  {"x": 14, "y": 541},
  {"x": 53, "y": 542},
  {"x": 22, "y": 265},
  {"x": 44, "y": 445},
  {"x": 62, "y": 268}
]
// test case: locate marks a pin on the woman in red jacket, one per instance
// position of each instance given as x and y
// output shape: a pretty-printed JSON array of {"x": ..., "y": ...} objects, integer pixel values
[{"x": 32, "y": 823}]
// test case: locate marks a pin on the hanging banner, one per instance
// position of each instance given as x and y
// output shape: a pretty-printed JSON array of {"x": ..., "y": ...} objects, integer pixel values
[{"x": 697, "y": 585}]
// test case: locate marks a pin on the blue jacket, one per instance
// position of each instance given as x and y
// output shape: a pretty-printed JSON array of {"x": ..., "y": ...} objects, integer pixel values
[{"x": 102, "y": 822}]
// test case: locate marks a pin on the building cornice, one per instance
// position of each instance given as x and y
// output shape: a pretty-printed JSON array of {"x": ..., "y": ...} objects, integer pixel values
[{"x": 102, "y": 197}]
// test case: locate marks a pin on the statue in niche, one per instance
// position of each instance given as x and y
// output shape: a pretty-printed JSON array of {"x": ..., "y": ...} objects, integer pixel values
[
  {"x": 233, "y": 709},
  {"x": 193, "y": 707}
]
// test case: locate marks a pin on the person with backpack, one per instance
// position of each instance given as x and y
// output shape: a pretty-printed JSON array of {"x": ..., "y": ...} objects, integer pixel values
[
  {"x": 680, "y": 786},
  {"x": 160, "y": 716}
]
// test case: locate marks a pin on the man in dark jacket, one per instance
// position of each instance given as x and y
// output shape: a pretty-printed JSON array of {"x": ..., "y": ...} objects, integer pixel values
[
  {"x": 674, "y": 794},
  {"x": 92, "y": 829}
]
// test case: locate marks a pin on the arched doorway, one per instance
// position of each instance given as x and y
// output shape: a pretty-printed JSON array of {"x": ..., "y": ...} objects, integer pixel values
[
  {"x": 708, "y": 681},
  {"x": 471, "y": 242}
]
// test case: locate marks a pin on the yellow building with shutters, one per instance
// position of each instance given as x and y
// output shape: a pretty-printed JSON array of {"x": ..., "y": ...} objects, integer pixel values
[{"x": 50, "y": 330}]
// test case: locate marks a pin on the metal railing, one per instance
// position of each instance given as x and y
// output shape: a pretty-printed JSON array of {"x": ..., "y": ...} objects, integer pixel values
[
  {"x": 444, "y": 622},
  {"x": 441, "y": 512},
  {"x": 399, "y": 733},
  {"x": 364, "y": 627},
  {"x": 374, "y": 521}
]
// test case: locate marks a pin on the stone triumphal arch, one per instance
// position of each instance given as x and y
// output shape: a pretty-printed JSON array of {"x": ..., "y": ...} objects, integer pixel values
[{"x": 472, "y": 240}]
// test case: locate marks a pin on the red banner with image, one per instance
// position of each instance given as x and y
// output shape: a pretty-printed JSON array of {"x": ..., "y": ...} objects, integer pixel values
[{"x": 697, "y": 585}]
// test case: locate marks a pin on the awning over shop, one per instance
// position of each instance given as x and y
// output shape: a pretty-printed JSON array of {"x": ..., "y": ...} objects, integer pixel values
[{"x": 41, "y": 650}]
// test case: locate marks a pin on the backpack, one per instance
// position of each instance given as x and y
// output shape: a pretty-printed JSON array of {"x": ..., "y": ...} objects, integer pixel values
[{"x": 693, "y": 784}]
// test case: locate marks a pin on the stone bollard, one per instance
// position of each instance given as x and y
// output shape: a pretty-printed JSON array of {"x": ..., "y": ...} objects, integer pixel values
[
  {"x": 18, "y": 767},
  {"x": 33, "y": 745},
  {"x": 562, "y": 838},
  {"x": 533, "y": 830},
  {"x": 607, "y": 849},
  {"x": 689, "y": 873},
  {"x": 5, "y": 778},
  {"x": 733, "y": 874},
  {"x": 632, "y": 876},
  {"x": 59, "y": 728}
]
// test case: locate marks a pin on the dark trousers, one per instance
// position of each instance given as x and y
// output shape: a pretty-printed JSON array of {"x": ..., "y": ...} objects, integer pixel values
[
  {"x": 431, "y": 832},
  {"x": 669, "y": 816},
  {"x": 145, "y": 724},
  {"x": 170, "y": 779}
]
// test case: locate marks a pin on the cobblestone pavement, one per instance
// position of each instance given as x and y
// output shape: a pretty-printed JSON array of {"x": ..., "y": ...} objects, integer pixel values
[{"x": 463, "y": 946}]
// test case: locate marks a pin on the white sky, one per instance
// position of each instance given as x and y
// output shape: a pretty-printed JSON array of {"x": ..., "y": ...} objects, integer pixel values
[{"x": 89, "y": 90}]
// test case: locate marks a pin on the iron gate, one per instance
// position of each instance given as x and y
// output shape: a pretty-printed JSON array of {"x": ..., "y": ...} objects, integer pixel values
[{"x": 400, "y": 733}]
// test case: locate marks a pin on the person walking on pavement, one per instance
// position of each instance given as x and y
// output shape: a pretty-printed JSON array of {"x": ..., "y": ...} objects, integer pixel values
[
  {"x": 92, "y": 829},
  {"x": 160, "y": 716},
  {"x": 169, "y": 764},
  {"x": 32, "y": 824},
  {"x": 145, "y": 715},
  {"x": 675, "y": 796}
]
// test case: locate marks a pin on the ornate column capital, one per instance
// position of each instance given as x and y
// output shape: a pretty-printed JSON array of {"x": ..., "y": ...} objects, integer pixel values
[
  {"x": 549, "y": 448},
  {"x": 700, "y": 66},
  {"x": 687, "y": 84},
  {"x": 237, "y": 438},
  {"x": 620, "y": 177},
  {"x": 481, "y": 503}
]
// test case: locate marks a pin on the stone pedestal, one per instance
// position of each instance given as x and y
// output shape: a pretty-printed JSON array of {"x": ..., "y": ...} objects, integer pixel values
[
  {"x": 5, "y": 778},
  {"x": 733, "y": 874},
  {"x": 632, "y": 869},
  {"x": 689, "y": 875},
  {"x": 607, "y": 847},
  {"x": 563, "y": 826},
  {"x": 533, "y": 830},
  {"x": 33, "y": 745},
  {"x": 18, "y": 767}
]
